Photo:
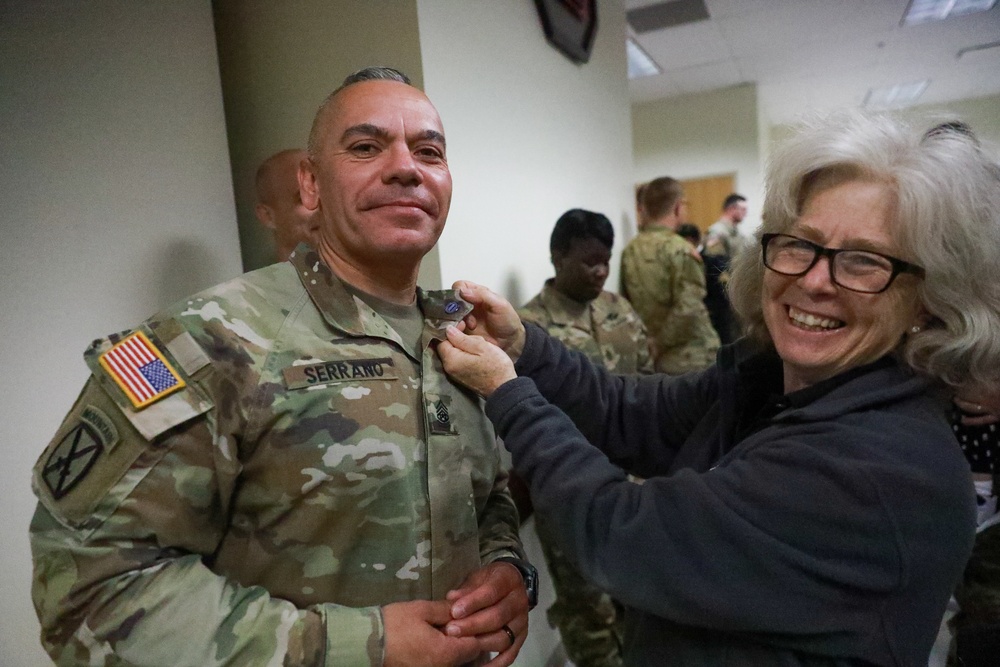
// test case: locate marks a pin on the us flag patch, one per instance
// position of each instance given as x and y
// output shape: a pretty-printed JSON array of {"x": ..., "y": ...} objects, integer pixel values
[{"x": 141, "y": 370}]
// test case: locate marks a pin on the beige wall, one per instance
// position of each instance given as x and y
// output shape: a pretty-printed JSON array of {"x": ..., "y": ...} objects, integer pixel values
[
  {"x": 706, "y": 134},
  {"x": 115, "y": 179},
  {"x": 530, "y": 135}
]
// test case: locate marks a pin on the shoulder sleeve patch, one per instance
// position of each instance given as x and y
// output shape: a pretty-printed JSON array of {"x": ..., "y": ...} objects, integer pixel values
[
  {"x": 89, "y": 458},
  {"x": 146, "y": 382},
  {"x": 70, "y": 460},
  {"x": 140, "y": 370}
]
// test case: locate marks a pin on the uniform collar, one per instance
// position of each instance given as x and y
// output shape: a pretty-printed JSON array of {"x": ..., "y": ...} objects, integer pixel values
[
  {"x": 657, "y": 229},
  {"x": 729, "y": 225},
  {"x": 348, "y": 313},
  {"x": 563, "y": 310}
]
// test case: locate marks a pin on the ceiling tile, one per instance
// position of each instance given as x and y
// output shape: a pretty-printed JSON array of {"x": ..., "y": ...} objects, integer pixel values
[
  {"x": 820, "y": 54},
  {"x": 685, "y": 46}
]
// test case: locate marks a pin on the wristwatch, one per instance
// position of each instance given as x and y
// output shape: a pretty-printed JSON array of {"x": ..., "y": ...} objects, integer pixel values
[{"x": 528, "y": 573}]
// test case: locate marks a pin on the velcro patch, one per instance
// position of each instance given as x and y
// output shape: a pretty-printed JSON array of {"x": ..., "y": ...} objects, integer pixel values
[
  {"x": 78, "y": 451},
  {"x": 346, "y": 370},
  {"x": 439, "y": 416},
  {"x": 141, "y": 371},
  {"x": 72, "y": 459}
]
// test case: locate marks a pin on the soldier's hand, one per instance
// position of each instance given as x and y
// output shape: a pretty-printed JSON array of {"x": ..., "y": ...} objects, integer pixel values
[
  {"x": 413, "y": 636},
  {"x": 475, "y": 363},
  {"x": 492, "y": 605},
  {"x": 492, "y": 318}
]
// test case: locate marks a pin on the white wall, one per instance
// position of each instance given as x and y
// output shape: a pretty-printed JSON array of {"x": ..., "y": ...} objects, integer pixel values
[
  {"x": 699, "y": 135},
  {"x": 117, "y": 199},
  {"x": 530, "y": 135}
]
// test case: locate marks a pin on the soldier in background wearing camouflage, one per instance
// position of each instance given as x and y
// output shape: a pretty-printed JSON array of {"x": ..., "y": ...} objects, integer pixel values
[
  {"x": 574, "y": 308},
  {"x": 722, "y": 242},
  {"x": 276, "y": 471},
  {"x": 663, "y": 277},
  {"x": 279, "y": 206}
]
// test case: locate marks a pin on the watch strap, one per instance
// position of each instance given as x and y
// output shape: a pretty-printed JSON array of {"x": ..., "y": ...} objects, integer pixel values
[{"x": 528, "y": 573}]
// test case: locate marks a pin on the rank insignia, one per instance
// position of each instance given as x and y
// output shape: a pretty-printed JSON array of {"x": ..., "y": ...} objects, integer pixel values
[
  {"x": 139, "y": 368},
  {"x": 72, "y": 459},
  {"x": 441, "y": 413}
]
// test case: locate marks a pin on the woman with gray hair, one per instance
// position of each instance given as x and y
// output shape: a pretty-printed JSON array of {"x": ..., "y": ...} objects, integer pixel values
[{"x": 805, "y": 501}]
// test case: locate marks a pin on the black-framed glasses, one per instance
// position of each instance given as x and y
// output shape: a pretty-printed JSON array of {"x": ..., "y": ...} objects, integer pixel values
[{"x": 857, "y": 270}]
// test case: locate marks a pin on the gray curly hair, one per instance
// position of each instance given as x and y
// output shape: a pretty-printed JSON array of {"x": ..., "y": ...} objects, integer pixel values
[{"x": 947, "y": 220}]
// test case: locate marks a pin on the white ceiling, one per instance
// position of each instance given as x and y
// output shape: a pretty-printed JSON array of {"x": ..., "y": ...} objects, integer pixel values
[{"x": 819, "y": 54}]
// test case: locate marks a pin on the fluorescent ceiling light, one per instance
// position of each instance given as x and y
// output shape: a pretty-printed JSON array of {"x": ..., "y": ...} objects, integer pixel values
[
  {"x": 898, "y": 96},
  {"x": 639, "y": 63},
  {"x": 923, "y": 11}
]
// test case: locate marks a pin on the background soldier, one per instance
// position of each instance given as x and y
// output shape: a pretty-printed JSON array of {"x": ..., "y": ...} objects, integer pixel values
[
  {"x": 722, "y": 242},
  {"x": 663, "y": 277},
  {"x": 279, "y": 206},
  {"x": 574, "y": 308}
]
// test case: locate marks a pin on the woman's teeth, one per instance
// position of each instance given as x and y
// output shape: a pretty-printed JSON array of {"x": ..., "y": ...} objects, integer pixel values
[{"x": 812, "y": 320}]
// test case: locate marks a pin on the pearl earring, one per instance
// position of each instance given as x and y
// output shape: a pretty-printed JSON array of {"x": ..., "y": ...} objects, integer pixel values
[{"x": 915, "y": 329}]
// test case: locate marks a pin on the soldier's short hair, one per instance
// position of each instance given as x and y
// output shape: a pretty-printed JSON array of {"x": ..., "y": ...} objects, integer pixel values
[
  {"x": 734, "y": 198},
  {"x": 660, "y": 196},
  {"x": 374, "y": 73},
  {"x": 578, "y": 223}
]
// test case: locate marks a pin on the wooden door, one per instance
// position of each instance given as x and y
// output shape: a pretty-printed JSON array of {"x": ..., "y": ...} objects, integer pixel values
[{"x": 705, "y": 197}]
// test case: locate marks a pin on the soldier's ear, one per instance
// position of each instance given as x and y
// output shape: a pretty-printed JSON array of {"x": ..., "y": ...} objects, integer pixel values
[{"x": 308, "y": 190}]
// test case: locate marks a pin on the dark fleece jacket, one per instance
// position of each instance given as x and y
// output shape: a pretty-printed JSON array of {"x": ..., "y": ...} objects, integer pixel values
[{"x": 823, "y": 529}]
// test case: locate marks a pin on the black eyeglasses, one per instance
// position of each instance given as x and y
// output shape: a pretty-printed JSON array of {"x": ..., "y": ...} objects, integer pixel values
[{"x": 857, "y": 270}]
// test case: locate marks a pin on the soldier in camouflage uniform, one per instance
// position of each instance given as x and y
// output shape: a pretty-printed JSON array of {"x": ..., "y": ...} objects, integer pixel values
[
  {"x": 664, "y": 279},
  {"x": 722, "y": 242},
  {"x": 276, "y": 471},
  {"x": 574, "y": 308},
  {"x": 279, "y": 207}
]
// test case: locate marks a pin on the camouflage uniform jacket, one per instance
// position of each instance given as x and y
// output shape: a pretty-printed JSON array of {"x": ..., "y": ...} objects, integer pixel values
[
  {"x": 606, "y": 329},
  {"x": 722, "y": 239},
  {"x": 307, "y": 472},
  {"x": 665, "y": 281}
]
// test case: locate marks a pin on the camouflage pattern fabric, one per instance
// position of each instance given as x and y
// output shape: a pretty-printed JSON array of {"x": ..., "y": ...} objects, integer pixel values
[
  {"x": 308, "y": 472},
  {"x": 723, "y": 240},
  {"x": 610, "y": 333},
  {"x": 588, "y": 619},
  {"x": 606, "y": 329},
  {"x": 664, "y": 279}
]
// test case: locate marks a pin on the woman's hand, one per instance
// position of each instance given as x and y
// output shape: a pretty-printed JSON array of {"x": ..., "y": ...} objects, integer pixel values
[
  {"x": 471, "y": 360},
  {"x": 979, "y": 406},
  {"x": 492, "y": 318}
]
